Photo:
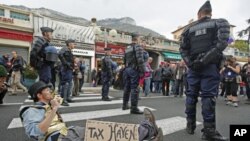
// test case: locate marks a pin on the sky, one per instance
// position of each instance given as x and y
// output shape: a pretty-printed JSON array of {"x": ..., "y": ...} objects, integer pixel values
[{"x": 162, "y": 16}]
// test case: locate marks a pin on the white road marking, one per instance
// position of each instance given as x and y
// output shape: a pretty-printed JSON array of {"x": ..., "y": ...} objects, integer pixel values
[{"x": 16, "y": 122}]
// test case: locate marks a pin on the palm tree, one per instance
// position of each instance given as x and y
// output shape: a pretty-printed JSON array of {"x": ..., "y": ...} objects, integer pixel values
[{"x": 246, "y": 32}]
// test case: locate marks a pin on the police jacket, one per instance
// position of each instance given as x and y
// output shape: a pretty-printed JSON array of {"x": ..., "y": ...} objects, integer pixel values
[
  {"x": 66, "y": 57},
  {"x": 205, "y": 38},
  {"x": 38, "y": 48},
  {"x": 136, "y": 57},
  {"x": 107, "y": 65}
]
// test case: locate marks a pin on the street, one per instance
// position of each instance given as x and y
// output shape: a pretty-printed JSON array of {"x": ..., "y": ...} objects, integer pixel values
[{"x": 169, "y": 112}]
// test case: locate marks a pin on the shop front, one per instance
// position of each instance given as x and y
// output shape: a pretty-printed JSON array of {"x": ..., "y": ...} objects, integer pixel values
[
  {"x": 172, "y": 56},
  {"x": 16, "y": 34},
  {"x": 12, "y": 40},
  {"x": 117, "y": 52}
]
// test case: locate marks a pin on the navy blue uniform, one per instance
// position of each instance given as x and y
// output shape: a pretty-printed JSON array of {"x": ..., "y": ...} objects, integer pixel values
[
  {"x": 135, "y": 66},
  {"x": 66, "y": 58},
  {"x": 201, "y": 47},
  {"x": 107, "y": 76},
  {"x": 38, "y": 53}
]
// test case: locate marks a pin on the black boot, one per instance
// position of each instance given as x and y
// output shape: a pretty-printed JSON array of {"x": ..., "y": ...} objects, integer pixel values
[
  {"x": 106, "y": 98},
  {"x": 191, "y": 125},
  {"x": 125, "y": 106},
  {"x": 135, "y": 110},
  {"x": 210, "y": 134}
]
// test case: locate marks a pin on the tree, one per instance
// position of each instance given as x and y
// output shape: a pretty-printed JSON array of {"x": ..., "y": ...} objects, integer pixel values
[
  {"x": 241, "y": 45},
  {"x": 246, "y": 32}
]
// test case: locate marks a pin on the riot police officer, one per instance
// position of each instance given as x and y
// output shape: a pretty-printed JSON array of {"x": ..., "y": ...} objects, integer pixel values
[
  {"x": 43, "y": 56},
  {"x": 107, "y": 74},
  {"x": 135, "y": 66},
  {"x": 67, "y": 59},
  {"x": 201, "y": 47}
]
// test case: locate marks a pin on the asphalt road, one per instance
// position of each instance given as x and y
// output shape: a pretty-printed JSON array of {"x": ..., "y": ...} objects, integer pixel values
[{"x": 169, "y": 112}]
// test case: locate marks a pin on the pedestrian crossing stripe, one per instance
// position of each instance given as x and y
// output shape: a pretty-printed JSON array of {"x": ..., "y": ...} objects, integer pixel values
[
  {"x": 68, "y": 117},
  {"x": 85, "y": 104},
  {"x": 168, "y": 125},
  {"x": 77, "y": 98}
]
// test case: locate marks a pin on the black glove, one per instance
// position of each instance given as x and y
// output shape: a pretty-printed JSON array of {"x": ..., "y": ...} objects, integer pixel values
[{"x": 197, "y": 66}]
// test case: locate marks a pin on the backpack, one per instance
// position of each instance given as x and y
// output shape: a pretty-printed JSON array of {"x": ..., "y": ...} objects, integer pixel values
[{"x": 37, "y": 46}]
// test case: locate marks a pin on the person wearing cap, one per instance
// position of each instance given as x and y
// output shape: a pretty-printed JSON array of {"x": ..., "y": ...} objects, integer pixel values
[
  {"x": 201, "y": 48},
  {"x": 67, "y": 59},
  {"x": 43, "y": 122},
  {"x": 38, "y": 56},
  {"x": 246, "y": 78},
  {"x": 3, "y": 86},
  {"x": 107, "y": 74},
  {"x": 135, "y": 67}
]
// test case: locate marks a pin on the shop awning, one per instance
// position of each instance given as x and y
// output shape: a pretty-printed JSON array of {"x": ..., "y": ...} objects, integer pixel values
[{"x": 171, "y": 55}]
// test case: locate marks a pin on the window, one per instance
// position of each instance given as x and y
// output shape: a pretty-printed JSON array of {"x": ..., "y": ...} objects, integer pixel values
[
  {"x": 1, "y": 12},
  {"x": 19, "y": 16}
]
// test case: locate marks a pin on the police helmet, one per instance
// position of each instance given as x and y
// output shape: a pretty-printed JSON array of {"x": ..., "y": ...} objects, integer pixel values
[{"x": 51, "y": 54}]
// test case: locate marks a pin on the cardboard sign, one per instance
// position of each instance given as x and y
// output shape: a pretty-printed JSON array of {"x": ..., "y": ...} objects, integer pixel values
[{"x": 110, "y": 131}]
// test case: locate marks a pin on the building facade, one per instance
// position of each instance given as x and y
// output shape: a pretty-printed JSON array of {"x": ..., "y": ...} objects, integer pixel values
[{"x": 16, "y": 31}]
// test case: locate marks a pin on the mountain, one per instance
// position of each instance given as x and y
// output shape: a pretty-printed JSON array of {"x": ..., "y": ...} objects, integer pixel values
[{"x": 125, "y": 24}]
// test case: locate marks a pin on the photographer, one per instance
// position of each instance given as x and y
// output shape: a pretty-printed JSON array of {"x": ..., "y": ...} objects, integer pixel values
[
  {"x": 231, "y": 71},
  {"x": 3, "y": 86}
]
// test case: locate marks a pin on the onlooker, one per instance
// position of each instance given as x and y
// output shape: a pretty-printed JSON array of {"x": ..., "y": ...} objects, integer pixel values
[
  {"x": 3, "y": 88},
  {"x": 82, "y": 70},
  {"x": 93, "y": 77},
  {"x": 158, "y": 79},
  {"x": 246, "y": 78},
  {"x": 76, "y": 76},
  {"x": 179, "y": 74},
  {"x": 231, "y": 71},
  {"x": 166, "y": 77},
  {"x": 147, "y": 76},
  {"x": 16, "y": 73}
]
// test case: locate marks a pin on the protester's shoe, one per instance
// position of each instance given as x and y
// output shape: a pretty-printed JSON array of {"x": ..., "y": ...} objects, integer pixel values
[
  {"x": 229, "y": 103},
  {"x": 64, "y": 103},
  {"x": 235, "y": 104},
  {"x": 148, "y": 115},
  {"x": 125, "y": 107},
  {"x": 135, "y": 110},
  {"x": 210, "y": 134},
  {"x": 159, "y": 136},
  {"x": 191, "y": 125}
]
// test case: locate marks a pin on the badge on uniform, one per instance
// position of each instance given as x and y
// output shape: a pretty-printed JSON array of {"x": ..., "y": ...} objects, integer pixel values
[{"x": 201, "y": 32}]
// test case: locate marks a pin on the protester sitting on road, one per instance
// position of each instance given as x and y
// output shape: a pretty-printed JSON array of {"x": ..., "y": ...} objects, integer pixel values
[
  {"x": 43, "y": 122},
  {"x": 3, "y": 88}
]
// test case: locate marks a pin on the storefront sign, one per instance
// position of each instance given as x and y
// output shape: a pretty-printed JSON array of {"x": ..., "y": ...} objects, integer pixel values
[
  {"x": 64, "y": 30},
  {"x": 80, "y": 52},
  {"x": 15, "y": 35},
  {"x": 6, "y": 20},
  {"x": 172, "y": 55},
  {"x": 115, "y": 49},
  {"x": 110, "y": 131}
]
